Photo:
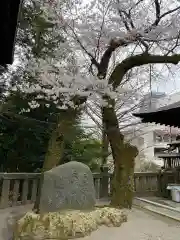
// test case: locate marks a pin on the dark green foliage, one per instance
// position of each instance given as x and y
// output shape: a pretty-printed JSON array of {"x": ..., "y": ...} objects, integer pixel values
[
  {"x": 24, "y": 137},
  {"x": 36, "y": 32},
  {"x": 82, "y": 147}
]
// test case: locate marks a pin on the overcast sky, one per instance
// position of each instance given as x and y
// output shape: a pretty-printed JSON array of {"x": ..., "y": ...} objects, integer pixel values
[{"x": 168, "y": 87}]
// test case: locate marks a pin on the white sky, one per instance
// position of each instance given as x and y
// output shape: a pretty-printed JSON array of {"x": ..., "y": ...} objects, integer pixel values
[{"x": 169, "y": 86}]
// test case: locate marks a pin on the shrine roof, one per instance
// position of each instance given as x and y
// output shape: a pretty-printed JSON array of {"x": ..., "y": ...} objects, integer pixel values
[
  {"x": 168, "y": 115},
  {"x": 9, "y": 11}
]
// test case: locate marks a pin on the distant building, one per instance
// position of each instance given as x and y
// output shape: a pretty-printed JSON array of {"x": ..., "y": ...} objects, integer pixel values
[
  {"x": 151, "y": 101},
  {"x": 151, "y": 139}
]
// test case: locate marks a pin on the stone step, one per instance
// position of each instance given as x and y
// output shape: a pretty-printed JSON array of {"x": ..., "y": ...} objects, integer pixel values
[{"x": 157, "y": 208}]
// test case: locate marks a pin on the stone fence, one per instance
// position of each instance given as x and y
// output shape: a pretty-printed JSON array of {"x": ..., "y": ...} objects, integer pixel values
[{"x": 21, "y": 188}]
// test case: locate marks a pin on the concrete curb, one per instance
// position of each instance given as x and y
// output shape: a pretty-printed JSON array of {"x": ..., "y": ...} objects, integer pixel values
[{"x": 157, "y": 208}]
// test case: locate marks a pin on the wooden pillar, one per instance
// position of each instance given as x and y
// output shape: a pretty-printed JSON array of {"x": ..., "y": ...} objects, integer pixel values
[
  {"x": 4, "y": 200},
  {"x": 104, "y": 183}
]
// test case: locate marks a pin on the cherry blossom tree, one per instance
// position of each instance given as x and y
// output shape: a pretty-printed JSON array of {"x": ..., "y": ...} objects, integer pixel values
[
  {"x": 109, "y": 40},
  {"x": 127, "y": 102}
]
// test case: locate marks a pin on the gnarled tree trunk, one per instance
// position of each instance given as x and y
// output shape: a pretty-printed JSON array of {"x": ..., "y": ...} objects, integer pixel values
[
  {"x": 56, "y": 143},
  {"x": 123, "y": 155},
  {"x": 56, "y": 147},
  {"x": 123, "y": 179}
]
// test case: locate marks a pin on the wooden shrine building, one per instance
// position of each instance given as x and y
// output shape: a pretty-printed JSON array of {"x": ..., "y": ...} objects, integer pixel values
[
  {"x": 9, "y": 11},
  {"x": 168, "y": 115},
  {"x": 170, "y": 172}
]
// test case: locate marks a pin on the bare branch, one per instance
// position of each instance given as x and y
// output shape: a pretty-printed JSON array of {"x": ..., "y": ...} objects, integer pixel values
[
  {"x": 160, "y": 40},
  {"x": 99, "y": 38},
  {"x": 93, "y": 118},
  {"x": 100, "y": 32},
  {"x": 135, "y": 5},
  {"x": 128, "y": 16},
  {"x": 136, "y": 61},
  {"x": 158, "y": 8},
  {"x": 94, "y": 111},
  {"x": 124, "y": 20},
  {"x": 144, "y": 44},
  {"x": 103, "y": 66},
  {"x": 128, "y": 111},
  {"x": 176, "y": 45},
  {"x": 169, "y": 12},
  {"x": 102, "y": 70},
  {"x": 123, "y": 14},
  {"x": 156, "y": 22},
  {"x": 114, "y": 44},
  {"x": 159, "y": 17},
  {"x": 93, "y": 60}
]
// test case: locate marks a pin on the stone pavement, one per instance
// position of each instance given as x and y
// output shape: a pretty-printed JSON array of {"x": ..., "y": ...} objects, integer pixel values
[
  {"x": 141, "y": 225},
  {"x": 5, "y": 233}
]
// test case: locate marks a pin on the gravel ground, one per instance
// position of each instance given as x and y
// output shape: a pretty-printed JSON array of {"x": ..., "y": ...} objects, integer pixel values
[{"x": 141, "y": 225}]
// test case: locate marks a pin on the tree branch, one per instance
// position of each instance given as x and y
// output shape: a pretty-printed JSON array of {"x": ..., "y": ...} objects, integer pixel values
[
  {"x": 135, "y": 5},
  {"x": 136, "y": 61},
  {"x": 103, "y": 66},
  {"x": 114, "y": 44},
  {"x": 176, "y": 45},
  {"x": 93, "y": 119},
  {"x": 128, "y": 16},
  {"x": 93, "y": 60},
  {"x": 124, "y": 20},
  {"x": 158, "y": 16},
  {"x": 100, "y": 32},
  {"x": 124, "y": 15},
  {"x": 158, "y": 8}
]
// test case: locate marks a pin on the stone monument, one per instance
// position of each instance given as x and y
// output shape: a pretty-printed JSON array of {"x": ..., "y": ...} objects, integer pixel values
[{"x": 68, "y": 186}]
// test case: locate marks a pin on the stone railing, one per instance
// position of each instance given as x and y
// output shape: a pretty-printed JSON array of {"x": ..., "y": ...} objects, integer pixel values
[
  {"x": 18, "y": 188},
  {"x": 21, "y": 188}
]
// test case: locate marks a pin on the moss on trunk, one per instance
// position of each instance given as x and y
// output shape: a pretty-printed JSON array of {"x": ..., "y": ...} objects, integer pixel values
[
  {"x": 123, "y": 155},
  {"x": 123, "y": 179}
]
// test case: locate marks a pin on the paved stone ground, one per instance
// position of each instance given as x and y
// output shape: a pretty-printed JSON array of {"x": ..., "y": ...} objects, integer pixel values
[
  {"x": 141, "y": 225},
  {"x": 164, "y": 201},
  {"x": 5, "y": 233}
]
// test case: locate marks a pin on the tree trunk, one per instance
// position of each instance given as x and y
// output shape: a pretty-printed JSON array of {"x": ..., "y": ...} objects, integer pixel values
[
  {"x": 123, "y": 155},
  {"x": 123, "y": 179},
  {"x": 55, "y": 148},
  {"x": 105, "y": 145}
]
